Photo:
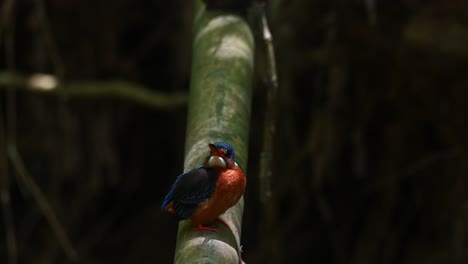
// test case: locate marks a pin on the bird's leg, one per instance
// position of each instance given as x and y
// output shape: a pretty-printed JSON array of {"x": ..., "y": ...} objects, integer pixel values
[
  {"x": 202, "y": 227},
  {"x": 221, "y": 221}
]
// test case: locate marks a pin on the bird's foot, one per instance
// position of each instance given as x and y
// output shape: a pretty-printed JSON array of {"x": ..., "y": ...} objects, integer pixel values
[{"x": 202, "y": 227}]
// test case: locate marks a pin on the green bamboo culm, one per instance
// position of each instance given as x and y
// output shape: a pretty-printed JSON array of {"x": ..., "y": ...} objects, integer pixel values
[{"x": 219, "y": 110}]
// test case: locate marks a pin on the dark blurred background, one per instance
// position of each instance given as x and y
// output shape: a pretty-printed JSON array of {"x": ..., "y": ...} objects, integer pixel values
[{"x": 371, "y": 159}]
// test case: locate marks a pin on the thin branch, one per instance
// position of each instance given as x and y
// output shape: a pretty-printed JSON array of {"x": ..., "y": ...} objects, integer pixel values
[
  {"x": 47, "y": 84},
  {"x": 268, "y": 208},
  {"x": 27, "y": 181},
  {"x": 266, "y": 156}
]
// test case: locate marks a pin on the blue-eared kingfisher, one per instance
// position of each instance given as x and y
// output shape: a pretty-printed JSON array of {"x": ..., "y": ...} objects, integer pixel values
[{"x": 207, "y": 191}]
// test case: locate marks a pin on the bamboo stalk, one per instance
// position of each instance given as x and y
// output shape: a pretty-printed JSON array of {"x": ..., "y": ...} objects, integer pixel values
[{"x": 219, "y": 110}]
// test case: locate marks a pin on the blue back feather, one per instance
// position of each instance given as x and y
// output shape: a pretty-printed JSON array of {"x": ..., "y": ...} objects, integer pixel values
[
  {"x": 194, "y": 187},
  {"x": 189, "y": 190}
]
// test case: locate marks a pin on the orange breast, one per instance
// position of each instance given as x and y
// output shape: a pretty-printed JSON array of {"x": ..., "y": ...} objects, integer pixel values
[{"x": 229, "y": 189}]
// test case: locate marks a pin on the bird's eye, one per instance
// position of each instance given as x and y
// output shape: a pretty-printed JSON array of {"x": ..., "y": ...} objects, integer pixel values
[{"x": 224, "y": 151}]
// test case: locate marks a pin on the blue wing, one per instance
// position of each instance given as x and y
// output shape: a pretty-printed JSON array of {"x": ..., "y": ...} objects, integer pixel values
[{"x": 189, "y": 190}]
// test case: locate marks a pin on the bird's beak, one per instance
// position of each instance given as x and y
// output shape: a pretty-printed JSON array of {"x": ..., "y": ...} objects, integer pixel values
[
  {"x": 216, "y": 158},
  {"x": 215, "y": 151}
]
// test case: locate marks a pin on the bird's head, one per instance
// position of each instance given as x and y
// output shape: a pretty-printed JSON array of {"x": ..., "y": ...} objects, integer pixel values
[{"x": 221, "y": 155}]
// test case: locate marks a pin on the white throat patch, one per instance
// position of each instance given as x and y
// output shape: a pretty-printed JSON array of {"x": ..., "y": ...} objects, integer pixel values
[{"x": 216, "y": 161}]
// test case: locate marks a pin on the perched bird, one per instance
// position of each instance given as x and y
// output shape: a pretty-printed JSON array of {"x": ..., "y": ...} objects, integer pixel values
[{"x": 207, "y": 191}]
